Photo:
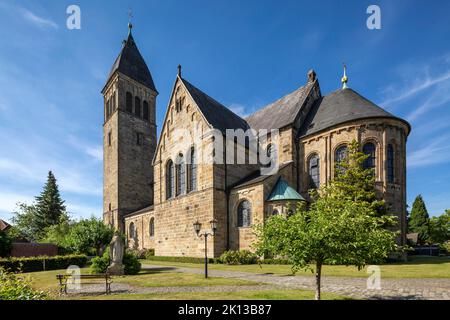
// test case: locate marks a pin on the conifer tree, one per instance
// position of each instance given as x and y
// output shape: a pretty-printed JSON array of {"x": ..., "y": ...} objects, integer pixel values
[
  {"x": 419, "y": 220},
  {"x": 50, "y": 208}
]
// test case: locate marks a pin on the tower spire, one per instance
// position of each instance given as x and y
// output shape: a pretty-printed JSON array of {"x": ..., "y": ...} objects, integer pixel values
[
  {"x": 130, "y": 25},
  {"x": 344, "y": 79}
]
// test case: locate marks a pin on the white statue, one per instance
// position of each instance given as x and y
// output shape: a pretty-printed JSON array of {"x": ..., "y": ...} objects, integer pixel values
[{"x": 116, "y": 250}]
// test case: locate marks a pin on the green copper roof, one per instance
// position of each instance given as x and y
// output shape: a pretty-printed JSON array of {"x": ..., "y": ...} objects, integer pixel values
[{"x": 282, "y": 191}]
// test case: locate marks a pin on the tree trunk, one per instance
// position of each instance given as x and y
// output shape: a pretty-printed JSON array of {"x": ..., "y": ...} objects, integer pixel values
[{"x": 318, "y": 275}]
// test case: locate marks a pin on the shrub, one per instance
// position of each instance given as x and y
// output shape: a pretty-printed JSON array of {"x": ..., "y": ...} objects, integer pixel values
[
  {"x": 181, "y": 259},
  {"x": 15, "y": 287},
  {"x": 149, "y": 253},
  {"x": 445, "y": 247},
  {"x": 42, "y": 263},
  {"x": 142, "y": 253},
  {"x": 130, "y": 261},
  {"x": 5, "y": 244},
  {"x": 238, "y": 257}
]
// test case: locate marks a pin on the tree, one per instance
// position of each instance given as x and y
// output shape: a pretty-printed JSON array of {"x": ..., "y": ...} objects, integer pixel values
[
  {"x": 58, "y": 233},
  {"x": 89, "y": 234},
  {"x": 5, "y": 244},
  {"x": 440, "y": 228},
  {"x": 419, "y": 220},
  {"x": 48, "y": 209},
  {"x": 353, "y": 182},
  {"x": 342, "y": 226},
  {"x": 24, "y": 221}
]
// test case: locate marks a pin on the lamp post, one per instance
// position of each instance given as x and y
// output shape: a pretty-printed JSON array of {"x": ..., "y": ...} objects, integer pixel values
[{"x": 205, "y": 234}]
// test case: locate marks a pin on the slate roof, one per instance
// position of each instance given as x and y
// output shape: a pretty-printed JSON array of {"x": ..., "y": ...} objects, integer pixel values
[
  {"x": 256, "y": 177},
  {"x": 281, "y": 112},
  {"x": 282, "y": 191},
  {"x": 219, "y": 116},
  {"x": 4, "y": 225},
  {"x": 130, "y": 63},
  {"x": 339, "y": 107}
]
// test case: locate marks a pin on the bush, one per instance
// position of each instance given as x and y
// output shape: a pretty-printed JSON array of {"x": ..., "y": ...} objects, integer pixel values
[
  {"x": 181, "y": 259},
  {"x": 238, "y": 257},
  {"x": 445, "y": 247},
  {"x": 130, "y": 261},
  {"x": 15, "y": 287},
  {"x": 42, "y": 263},
  {"x": 5, "y": 244},
  {"x": 142, "y": 253}
]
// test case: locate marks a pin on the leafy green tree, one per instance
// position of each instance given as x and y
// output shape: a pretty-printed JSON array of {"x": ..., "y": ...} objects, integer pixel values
[
  {"x": 5, "y": 244},
  {"x": 24, "y": 221},
  {"x": 89, "y": 234},
  {"x": 344, "y": 225},
  {"x": 58, "y": 233},
  {"x": 419, "y": 220},
  {"x": 440, "y": 228}
]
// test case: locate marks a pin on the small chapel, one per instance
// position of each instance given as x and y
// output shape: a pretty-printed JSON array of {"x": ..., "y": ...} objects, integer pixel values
[{"x": 156, "y": 187}]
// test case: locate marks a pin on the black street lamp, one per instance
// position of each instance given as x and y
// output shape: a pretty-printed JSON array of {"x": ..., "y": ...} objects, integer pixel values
[{"x": 205, "y": 234}]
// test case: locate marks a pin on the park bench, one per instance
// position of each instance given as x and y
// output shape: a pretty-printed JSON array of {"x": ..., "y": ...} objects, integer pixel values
[{"x": 84, "y": 279}]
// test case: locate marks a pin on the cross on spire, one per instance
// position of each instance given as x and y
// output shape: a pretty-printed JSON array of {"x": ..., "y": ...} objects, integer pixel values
[
  {"x": 130, "y": 17},
  {"x": 344, "y": 79}
]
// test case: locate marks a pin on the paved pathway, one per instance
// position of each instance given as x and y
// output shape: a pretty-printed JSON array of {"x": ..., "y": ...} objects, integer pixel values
[{"x": 414, "y": 289}]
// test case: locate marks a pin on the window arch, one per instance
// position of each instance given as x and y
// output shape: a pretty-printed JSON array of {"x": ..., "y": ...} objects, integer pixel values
[
  {"x": 369, "y": 149},
  {"x": 192, "y": 170},
  {"x": 244, "y": 214},
  {"x": 390, "y": 164},
  {"x": 145, "y": 110},
  {"x": 181, "y": 175},
  {"x": 152, "y": 227},
  {"x": 132, "y": 231},
  {"x": 129, "y": 102},
  {"x": 170, "y": 185},
  {"x": 339, "y": 156},
  {"x": 314, "y": 171},
  {"x": 108, "y": 110},
  {"x": 137, "y": 107}
]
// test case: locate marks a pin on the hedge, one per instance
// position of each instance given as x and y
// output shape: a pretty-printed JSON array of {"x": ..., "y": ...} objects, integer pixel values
[
  {"x": 181, "y": 259},
  {"x": 210, "y": 260},
  {"x": 42, "y": 263}
]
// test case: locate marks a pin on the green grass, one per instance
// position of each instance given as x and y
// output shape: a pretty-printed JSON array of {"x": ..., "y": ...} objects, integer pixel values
[
  {"x": 178, "y": 279},
  {"x": 418, "y": 267},
  {"x": 47, "y": 282},
  {"x": 241, "y": 295}
]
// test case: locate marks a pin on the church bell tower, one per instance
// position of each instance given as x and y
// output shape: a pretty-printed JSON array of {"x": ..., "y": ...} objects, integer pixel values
[{"x": 129, "y": 135}]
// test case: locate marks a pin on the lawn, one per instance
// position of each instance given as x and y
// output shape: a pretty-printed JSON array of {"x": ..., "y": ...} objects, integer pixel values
[
  {"x": 46, "y": 281},
  {"x": 417, "y": 267},
  {"x": 241, "y": 295}
]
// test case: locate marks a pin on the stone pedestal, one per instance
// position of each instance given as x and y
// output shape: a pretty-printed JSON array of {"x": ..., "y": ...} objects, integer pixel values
[{"x": 116, "y": 269}]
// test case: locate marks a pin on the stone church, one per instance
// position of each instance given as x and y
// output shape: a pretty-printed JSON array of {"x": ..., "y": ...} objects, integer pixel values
[{"x": 156, "y": 188}]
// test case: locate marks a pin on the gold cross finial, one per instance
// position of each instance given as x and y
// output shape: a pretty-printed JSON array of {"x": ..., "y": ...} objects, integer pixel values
[{"x": 344, "y": 79}]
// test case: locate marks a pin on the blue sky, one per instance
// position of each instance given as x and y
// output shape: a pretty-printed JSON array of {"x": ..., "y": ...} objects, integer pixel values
[{"x": 245, "y": 54}]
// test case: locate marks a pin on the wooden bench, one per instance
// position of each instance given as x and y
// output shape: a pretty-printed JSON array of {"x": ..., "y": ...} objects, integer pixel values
[{"x": 63, "y": 279}]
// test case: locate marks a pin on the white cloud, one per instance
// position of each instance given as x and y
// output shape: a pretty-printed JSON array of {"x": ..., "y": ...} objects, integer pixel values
[
  {"x": 78, "y": 211},
  {"x": 239, "y": 109},
  {"x": 439, "y": 97},
  {"x": 37, "y": 20},
  {"x": 435, "y": 152},
  {"x": 95, "y": 152},
  {"x": 8, "y": 201}
]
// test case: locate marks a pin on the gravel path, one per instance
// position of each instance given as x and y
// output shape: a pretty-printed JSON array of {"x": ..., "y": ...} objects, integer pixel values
[
  {"x": 411, "y": 289},
  {"x": 403, "y": 289}
]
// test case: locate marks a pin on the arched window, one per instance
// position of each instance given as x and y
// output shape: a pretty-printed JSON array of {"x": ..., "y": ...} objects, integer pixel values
[
  {"x": 390, "y": 163},
  {"x": 137, "y": 107},
  {"x": 152, "y": 227},
  {"x": 132, "y": 231},
  {"x": 145, "y": 110},
  {"x": 275, "y": 212},
  {"x": 339, "y": 156},
  {"x": 181, "y": 175},
  {"x": 244, "y": 214},
  {"x": 113, "y": 101},
  {"x": 107, "y": 108},
  {"x": 369, "y": 149},
  {"x": 170, "y": 185},
  {"x": 129, "y": 102},
  {"x": 314, "y": 171},
  {"x": 192, "y": 171}
]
